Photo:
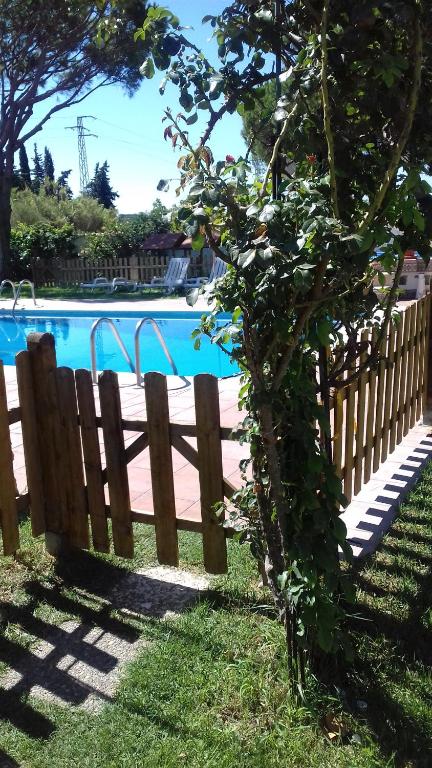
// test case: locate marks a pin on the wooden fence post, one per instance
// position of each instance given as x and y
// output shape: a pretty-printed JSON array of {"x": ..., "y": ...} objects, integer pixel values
[
  {"x": 210, "y": 470},
  {"x": 32, "y": 451},
  {"x": 43, "y": 364},
  {"x": 71, "y": 469},
  {"x": 427, "y": 387},
  {"x": 118, "y": 482},
  {"x": 8, "y": 505},
  {"x": 92, "y": 460},
  {"x": 158, "y": 425}
]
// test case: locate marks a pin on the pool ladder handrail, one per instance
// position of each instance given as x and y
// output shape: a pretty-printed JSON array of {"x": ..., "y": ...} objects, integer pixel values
[
  {"x": 140, "y": 324},
  {"x": 4, "y": 283},
  {"x": 118, "y": 338},
  {"x": 18, "y": 293}
]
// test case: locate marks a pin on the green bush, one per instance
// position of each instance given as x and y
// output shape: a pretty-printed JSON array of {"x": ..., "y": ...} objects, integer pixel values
[
  {"x": 123, "y": 239},
  {"x": 83, "y": 213},
  {"x": 39, "y": 241}
]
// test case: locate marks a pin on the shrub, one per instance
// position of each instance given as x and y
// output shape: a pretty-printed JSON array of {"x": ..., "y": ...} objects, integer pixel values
[
  {"x": 39, "y": 241},
  {"x": 122, "y": 240},
  {"x": 83, "y": 213}
]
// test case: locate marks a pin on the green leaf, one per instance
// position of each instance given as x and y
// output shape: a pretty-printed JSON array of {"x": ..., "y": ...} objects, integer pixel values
[
  {"x": 323, "y": 329},
  {"x": 147, "y": 68},
  {"x": 198, "y": 242},
  {"x": 247, "y": 257},
  {"x": 192, "y": 299},
  {"x": 419, "y": 220}
]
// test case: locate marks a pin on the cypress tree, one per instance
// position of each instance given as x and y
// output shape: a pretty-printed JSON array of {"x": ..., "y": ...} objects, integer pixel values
[
  {"x": 48, "y": 165},
  {"x": 100, "y": 186},
  {"x": 24, "y": 166},
  {"x": 38, "y": 170}
]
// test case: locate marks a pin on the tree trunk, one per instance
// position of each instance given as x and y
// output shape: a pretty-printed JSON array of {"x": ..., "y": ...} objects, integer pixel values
[{"x": 5, "y": 223}]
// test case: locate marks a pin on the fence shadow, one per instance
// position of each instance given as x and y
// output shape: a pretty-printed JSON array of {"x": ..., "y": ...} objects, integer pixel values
[
  {"x": 396, "y": 706},
  {"x": 6, "y": 761},
  {"x": 78, "y": 661},
  {"x": 390, "y": 490}
]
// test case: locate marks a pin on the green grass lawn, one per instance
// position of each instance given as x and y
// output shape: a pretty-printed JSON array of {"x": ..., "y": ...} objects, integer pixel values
[
  {"x": 209, "y": 690},
  {"x": 75, "y": 294}
]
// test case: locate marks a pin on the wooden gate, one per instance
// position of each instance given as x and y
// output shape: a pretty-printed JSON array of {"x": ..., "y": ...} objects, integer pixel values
[{"x": 66, "y": 479}]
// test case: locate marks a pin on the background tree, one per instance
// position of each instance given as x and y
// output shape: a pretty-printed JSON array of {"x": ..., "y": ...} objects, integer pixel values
[
  {"x": 63, "y": 183},
  {"x": 38, "y": 172},
  {"x": 58, "y": 53},
  {"x": 48, "y": 165},
  {"x": 351, "y": 142},
  {"x": 100, "y": 187},
  {"x": 24, "y": 166}
]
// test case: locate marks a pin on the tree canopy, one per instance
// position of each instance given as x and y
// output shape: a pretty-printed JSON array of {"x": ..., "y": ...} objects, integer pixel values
[
  {"x": 48, "y": 49},
  {"x": 352, "y": 139},
  {"x": 100, "y": 186}
]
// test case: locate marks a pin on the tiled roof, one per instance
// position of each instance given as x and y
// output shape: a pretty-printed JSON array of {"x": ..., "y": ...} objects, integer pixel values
[{"x": 163, "y": 241}]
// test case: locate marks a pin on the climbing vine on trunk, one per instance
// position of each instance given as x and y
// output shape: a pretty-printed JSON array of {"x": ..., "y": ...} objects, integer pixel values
[{"x": 350, "y": 145}]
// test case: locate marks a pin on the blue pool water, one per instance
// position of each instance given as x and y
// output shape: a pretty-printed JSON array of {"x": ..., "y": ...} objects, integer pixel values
[{"x": 72, "y": 338}]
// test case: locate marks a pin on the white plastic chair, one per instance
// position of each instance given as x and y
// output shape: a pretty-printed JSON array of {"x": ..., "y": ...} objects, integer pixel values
[
  {"x": 218, "y": 270},
  {"x": 174, "y": 277}
]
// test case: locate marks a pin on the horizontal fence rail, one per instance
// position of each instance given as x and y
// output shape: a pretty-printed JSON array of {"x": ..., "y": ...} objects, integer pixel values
[{"x": 79, "y": 491}]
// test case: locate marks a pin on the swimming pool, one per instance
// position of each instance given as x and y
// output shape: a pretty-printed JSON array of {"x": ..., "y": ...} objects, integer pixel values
[{"x": 72, "y": 337}]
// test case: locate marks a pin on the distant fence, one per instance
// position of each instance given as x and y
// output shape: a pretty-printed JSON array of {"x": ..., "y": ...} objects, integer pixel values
[
  {"x": 63, "y": 433},
  {"x": 141, "y": 268}
]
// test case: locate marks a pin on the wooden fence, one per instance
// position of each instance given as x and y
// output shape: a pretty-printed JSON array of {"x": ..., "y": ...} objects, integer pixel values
[
  {"x": 140, "y": 268},
  {"x": 62, "y": 431},
  {"x": 370, "y": 416}
]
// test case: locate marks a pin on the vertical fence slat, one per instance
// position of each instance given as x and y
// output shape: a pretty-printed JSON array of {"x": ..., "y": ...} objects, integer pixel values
[
  {"x": 426, "y": 395},
  {"x": 388, "y": 393},
  {"x": 379, "y": 412},
  {"x": 403, "y": 375},
  {"x": 32, "y": 452},
  {"x": 426, "y": 359},
  {"x": 410, "y": 368},
  {"x": 417, "y": 388},
  {"x": 370, "y": 419},
  {"x": 338, "y": 430},
  {"x": 73, "y": 474},
  {"x": 210, "y": 470},
  {"x": 8, "y": 504},
  {"x": 161, "y": 466},
  {"x": 43, "y": 362},
  {"x": 416, "y": 363},
  {"x": 360, "y": 419},
  {"x": 118, "y": 482},
  {"x": 92, "y": 460},
  {"x": 349, "y": 437},
  {"x": 396, "y": 382}
]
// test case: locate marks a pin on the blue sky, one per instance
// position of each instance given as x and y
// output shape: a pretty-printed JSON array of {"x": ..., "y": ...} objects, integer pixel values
[{"x": 129, "y": 130}]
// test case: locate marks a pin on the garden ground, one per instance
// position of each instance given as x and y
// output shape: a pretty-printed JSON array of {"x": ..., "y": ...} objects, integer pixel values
[{"x": 210, "y": 688}]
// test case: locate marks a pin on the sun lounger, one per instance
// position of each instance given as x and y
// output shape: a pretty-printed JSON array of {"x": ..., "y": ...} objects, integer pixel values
[
  {"x": 218, "y": 270},
  {"x": 174, "y": 277},
  {"x": 109, "y": 286}
]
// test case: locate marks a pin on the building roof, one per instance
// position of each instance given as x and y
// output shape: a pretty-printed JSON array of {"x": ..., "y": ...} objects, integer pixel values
[{"x": 164, "y": 241}]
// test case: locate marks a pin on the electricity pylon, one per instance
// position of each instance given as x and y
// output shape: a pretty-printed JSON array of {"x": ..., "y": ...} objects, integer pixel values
[{"x": 83, "y": 134}]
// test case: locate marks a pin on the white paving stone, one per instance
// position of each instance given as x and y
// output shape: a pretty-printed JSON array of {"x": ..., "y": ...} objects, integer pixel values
[{"x": 371, "y": 513}]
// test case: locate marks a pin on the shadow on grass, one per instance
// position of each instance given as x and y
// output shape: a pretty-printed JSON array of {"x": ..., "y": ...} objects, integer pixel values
[
  {"x": 394, "y": 640},
  {"x": 6, "y": 761},
  {"x": 55, "y": 643}
]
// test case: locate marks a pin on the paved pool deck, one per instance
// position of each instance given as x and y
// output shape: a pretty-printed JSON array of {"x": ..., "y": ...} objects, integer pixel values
[{"x": 107, "y": 305}]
